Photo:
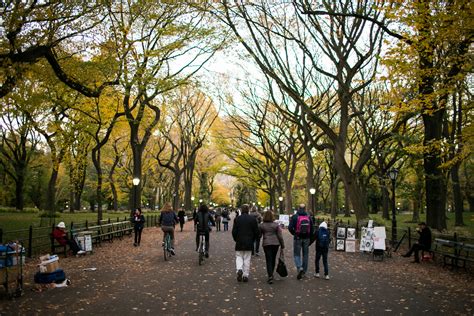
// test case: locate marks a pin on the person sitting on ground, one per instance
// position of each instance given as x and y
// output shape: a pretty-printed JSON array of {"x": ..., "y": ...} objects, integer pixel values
[
  {"x": 60, "y": 234},
  {"x": 167, "y": 221},
  {"x": 424, "y": 242},
  {"x": 203, "y": 219}
]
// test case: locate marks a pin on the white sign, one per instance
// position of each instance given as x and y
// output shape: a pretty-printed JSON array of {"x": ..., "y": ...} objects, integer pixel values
[
  {"x": 284, "y": 219},
  {"x": 379, "y": 232}
]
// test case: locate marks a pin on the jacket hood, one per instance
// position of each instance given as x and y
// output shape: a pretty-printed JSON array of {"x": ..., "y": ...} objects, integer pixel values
[{"x": 323, "y": 225}]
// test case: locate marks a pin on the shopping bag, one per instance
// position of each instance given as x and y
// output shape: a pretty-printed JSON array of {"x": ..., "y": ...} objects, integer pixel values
[{"x": 281, "y": 267}]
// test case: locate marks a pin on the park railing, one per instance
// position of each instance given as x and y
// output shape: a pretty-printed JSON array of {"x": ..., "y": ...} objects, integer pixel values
[{"x": 37, "y": 240}]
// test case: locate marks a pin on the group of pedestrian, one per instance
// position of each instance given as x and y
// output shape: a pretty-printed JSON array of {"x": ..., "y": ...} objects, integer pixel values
[
  {"x": 247, "y": 232},
  {"x": 302, "y": 228}
]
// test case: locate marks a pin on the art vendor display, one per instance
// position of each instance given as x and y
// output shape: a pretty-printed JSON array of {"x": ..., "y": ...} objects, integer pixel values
[
  {"x": 372, "y": 238},
  {"x": 340, "y": 238},
  {"x": 350, "y": 240}
]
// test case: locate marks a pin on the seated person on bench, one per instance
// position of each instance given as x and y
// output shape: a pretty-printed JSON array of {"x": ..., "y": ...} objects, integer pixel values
[
  {"x": 424, "y": 242},
  {"x": 59, "y": 233}
]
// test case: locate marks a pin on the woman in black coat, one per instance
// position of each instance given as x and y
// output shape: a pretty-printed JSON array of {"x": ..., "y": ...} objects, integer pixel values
[{"x": 245, "y": 231}]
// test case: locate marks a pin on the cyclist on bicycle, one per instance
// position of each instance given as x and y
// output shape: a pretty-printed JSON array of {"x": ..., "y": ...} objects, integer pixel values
[
  {"x": 167, "y": 221},
  {"x": 203, "y": 218}
]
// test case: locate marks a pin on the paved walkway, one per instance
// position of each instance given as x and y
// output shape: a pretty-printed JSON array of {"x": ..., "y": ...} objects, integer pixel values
[{"x": 136, "y": 280}]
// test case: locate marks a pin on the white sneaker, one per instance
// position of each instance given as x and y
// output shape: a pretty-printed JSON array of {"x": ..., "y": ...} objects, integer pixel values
[
  {"x": 327, "y": 277},
  {"x": 81, "y": 252},
  {"x": 316, "y": 275}
]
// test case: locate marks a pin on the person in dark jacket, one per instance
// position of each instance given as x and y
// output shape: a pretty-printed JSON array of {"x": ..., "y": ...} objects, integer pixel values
[
  {"x": 181, "y": 215},
  {"x": 244, "y": 232},
  {"x": 322, "y": 249},
  {"x": 138, "y": 221},
  {"x": 301, "y": 241},
  {"x": 424, "y": 242},
  {"x": 203, "y": 218},
  {"x": 167, "y": 221}
]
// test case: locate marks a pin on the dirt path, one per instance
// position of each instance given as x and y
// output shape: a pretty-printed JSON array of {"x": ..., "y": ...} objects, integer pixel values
[{"x": 136, "y": 280}]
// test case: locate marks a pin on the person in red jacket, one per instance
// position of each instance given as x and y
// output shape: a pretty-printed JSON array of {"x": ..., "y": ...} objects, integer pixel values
[{"x": 60, "y": 234}]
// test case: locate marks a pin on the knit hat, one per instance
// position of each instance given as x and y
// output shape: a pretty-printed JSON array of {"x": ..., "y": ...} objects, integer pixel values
[{"x": 324, "y": 225}]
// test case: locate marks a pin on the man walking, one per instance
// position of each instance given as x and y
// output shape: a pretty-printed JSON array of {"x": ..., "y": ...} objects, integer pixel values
[
  {"x": 301, "y": 227},
  {"x": 245, "y": 231}
]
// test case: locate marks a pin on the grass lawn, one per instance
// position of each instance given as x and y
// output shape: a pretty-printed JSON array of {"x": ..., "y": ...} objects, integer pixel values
[{"x": 13, "y": 220}]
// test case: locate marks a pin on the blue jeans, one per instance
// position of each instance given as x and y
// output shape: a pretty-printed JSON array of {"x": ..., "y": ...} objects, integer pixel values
[
  {"x": 298, "y": 245},
  {"x": 322, "y": 252}
]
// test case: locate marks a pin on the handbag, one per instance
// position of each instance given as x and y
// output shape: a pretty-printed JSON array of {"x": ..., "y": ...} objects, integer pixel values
[{"x": 281, "y": 267}]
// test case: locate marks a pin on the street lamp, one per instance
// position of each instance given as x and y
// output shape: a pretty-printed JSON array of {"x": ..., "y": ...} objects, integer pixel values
[
  {"x": 312, "y": 191},
  {"x": 280, "y": 198},
  {"x": 392, "y": 174},
  {"x": 136, "y": 182}
]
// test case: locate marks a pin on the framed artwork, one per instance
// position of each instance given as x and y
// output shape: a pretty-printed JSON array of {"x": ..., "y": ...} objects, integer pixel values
[
  {"x": 351, "y": 233},
  {"x": 350, "y": 245},
  {"x": 340, "y": 244},
  {"x": 341, "y": 232}
]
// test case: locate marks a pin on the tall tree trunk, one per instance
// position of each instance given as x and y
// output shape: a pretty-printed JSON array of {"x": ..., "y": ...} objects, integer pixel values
[
  {"x": 288, "y": 197},
  {"x": 434, "y": 180},
  {"x": 334, "y": 197},
  {"x": 310, "y": 182},
  {"x": 19, "y": 186},
  {"x": 51, "y": 193},
  {"x": 347, "y": 207},
  {"x": 97, "y": 164},
  {"x": 354, "y": 191},
  {"x": 457, "y": 196},
  {"x": 175, "y": 193}
]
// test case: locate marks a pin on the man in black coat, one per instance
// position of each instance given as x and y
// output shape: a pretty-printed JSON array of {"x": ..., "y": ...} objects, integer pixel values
[
  {"x": 424, "y": 242},
  {"x": 245, "y": 231}
]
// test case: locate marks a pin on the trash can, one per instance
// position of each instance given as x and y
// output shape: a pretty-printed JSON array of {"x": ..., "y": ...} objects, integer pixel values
[{"x": 84, "y": 239}]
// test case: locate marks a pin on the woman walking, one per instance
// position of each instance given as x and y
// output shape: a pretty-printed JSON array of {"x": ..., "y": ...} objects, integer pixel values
[
  {"x": 272, "y": 240},
  {"x": 138, "y": 224},
  {"x": 181, "y": 215}
]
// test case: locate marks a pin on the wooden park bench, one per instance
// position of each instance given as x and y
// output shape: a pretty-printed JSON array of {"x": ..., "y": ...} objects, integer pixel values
[{"x": 455, "y": 254}]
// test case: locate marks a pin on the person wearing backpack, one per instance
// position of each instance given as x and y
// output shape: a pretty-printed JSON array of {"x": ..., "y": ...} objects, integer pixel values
[
  {"x": 322, "y": 249},
  {"x": 301, "y": 227}
]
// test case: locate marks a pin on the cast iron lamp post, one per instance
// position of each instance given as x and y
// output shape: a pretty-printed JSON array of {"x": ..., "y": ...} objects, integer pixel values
[
  {"x": 392, "y": 174},
  {"x": 136, "y": 182},
  {"x": 312, "y": 191},
  {"x": 281, "y": 204}
]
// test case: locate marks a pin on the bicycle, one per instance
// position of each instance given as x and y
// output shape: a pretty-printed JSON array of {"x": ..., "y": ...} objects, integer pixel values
[
  {"x": 202, "y": 248},
  {"x": 167, "y": 246}
]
